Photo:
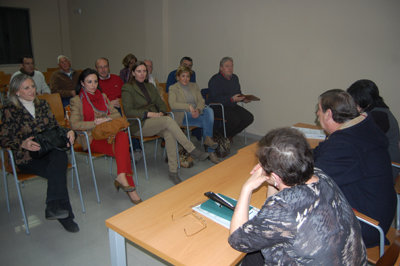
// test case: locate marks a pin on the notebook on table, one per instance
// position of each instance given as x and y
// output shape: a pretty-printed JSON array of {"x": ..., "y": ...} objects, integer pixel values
[{"x": 219, "y": 213}]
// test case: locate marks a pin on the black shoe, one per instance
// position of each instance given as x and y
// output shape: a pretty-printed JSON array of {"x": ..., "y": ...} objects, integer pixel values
[
  {"x": 54, "y": 211},
  {"x": 174, "y": 177},
  {"x": 199, "y": 155},
  {"x": 69, "y": 225}
]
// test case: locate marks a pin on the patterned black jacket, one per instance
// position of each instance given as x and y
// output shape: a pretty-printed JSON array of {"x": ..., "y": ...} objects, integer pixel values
[{"x": 18, "y": 124}]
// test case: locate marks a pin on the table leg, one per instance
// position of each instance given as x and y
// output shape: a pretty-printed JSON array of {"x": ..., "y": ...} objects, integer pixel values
[{"x": 117, "y": 248}]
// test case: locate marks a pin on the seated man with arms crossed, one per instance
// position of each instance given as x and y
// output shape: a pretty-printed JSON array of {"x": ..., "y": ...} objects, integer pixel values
[{"x": 355, "y": 155}]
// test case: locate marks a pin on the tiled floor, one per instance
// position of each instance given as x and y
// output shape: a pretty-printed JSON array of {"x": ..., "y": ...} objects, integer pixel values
[{"x": 50, "y": 244}]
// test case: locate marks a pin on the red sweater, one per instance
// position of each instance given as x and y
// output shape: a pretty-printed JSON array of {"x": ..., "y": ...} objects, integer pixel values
[{"x": 111, "y": 87}]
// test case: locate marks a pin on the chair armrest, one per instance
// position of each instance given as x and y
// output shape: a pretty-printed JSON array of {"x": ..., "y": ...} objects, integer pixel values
[
  {"x": 397, "y": 165},
  {"x": 86, "y": 135},
  {"x": 375, "y": 224}
]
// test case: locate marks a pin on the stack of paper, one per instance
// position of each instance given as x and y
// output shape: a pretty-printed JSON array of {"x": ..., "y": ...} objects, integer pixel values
[
  {"x": 221, "y": 214},
  {"x": 312, "y": 133}
]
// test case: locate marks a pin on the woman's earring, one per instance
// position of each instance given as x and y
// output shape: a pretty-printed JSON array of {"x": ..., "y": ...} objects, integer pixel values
[{"x": 275, "y": 184}]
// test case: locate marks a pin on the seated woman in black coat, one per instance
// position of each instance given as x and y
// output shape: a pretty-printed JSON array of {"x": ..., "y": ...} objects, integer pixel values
[
  {"x": 366, "y": 95},
  {"x": 23, "y": 116}
]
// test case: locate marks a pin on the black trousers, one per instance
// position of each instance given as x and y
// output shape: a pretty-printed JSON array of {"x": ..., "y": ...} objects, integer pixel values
[
  {"x": 237, "y": 119},
  {"x": 53, "y": 167}
]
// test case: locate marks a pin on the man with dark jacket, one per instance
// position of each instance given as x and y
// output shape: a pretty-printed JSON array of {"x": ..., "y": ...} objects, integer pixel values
[
  {"x": 355, "y": 156},
  {"x": 224, "y": 87}
]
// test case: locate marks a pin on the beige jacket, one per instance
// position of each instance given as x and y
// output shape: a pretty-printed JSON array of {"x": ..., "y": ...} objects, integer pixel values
[
  {"x": 77, "y": 123},
  {"x": 177, "y": 100}
]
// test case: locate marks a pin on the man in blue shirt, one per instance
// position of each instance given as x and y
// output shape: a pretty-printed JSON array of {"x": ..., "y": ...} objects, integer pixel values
[{"x": 185, "y": 61}]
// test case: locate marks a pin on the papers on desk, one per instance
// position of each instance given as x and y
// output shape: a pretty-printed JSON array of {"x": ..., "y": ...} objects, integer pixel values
[
  {"x": 312, "y": 133},
  {"x": 221, "y": 214}
]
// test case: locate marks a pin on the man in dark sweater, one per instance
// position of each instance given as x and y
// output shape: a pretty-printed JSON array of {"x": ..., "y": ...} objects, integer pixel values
[
  {"x": 355, "y": 156},
  {"x": 224, "y": 87}
]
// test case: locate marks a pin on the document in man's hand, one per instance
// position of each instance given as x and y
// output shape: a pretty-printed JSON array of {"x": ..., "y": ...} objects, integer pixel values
[
  {"x": 250, "y": 97},
  {"x": 219, "y": 213}
]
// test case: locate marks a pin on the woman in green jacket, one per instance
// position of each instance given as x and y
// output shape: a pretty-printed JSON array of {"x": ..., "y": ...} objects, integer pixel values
[{"x": 141, "y": 99}]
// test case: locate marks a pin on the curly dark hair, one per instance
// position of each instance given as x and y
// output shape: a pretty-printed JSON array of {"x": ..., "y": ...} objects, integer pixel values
[{"x": 286, "y": 152}]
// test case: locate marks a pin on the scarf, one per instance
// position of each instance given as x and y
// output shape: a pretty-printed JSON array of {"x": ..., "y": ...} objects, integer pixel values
[{"x": 92, "y": 104}]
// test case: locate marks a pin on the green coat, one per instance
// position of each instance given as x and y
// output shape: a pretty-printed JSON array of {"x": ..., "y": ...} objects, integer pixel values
[{"x": 135, "y": 104}]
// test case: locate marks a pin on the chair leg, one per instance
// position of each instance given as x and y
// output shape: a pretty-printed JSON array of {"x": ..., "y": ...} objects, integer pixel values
[
  {"x": 111, "y": 165},
  {"x": 93, "y": 173},
  {"x": 3, "y": 168},
  {"x": 398, "y": 213},
  {"x": 17, "y": 184},
  {"x": 177, "y": 156},
  {"x": 78, "y": 182},
  {"x": 133, "y": 157},
  {"x": 144, "y": 159},
  {"x": 155, "y": 150}
]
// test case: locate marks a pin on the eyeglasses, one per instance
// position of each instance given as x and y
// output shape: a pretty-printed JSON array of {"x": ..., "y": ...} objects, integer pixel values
[{"x": 193, "y": 224}]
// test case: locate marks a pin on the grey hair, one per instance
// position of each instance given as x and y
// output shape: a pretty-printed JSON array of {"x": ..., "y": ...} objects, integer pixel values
[
  {"x": 224, "y": 60},
  {"x": 15, "y": 85},
  {"x": 61, "y": 57}
]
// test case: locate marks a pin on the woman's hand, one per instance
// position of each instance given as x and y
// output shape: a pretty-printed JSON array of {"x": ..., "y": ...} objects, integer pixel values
[
  {"x": 256, "y": 179},
  {"x": 101, "y": 120},
  {"x": 71, "y": 137},
  {"x": 195, "y": 113},
  {"x": 153, "y": 114},
  {"x": 30, "y": 145}
]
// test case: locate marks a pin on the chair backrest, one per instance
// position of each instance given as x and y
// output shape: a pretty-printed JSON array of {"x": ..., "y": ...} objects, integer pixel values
[
  {"x": 56, "y": 106},
  {"x": 163, "y": 86},
  {"x": 165, "y": 99},
  {"x": 204, "y": 93}
]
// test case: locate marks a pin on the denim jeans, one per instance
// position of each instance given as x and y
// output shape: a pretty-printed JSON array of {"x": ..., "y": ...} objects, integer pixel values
[{"x": 205, "y": 121}]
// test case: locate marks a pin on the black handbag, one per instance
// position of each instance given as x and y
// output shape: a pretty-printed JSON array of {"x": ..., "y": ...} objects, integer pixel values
[
  {"x": 49, "y": 139},
  {"x": 224, "y": 146}
]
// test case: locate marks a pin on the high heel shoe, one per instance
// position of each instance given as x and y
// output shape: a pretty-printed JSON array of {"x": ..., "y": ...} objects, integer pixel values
[
  {"x": 136, "y": 202},
  {"x": 118, "y": 185}
]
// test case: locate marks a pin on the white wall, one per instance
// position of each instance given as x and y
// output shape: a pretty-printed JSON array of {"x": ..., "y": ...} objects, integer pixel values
[
  {"x": 109, "y": 29},
  {"x": 286, "y": 52}
]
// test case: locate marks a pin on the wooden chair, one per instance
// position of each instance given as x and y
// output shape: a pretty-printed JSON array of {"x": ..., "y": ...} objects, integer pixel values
[
  {"x": 204, "y": 93},
  {"x": 90, "y": 156},
  {"x": 186, "y": 128},
  {"x": 8, "y": 166},
  {"x": 4, "y": 84},
  {"x": 391, "y": 254},
  {"x": 397, "y": 189},
  {"x": 54, "y": 100},
  {"x": 142, "y": 139},
  {"x": 375, "y": 253}
]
